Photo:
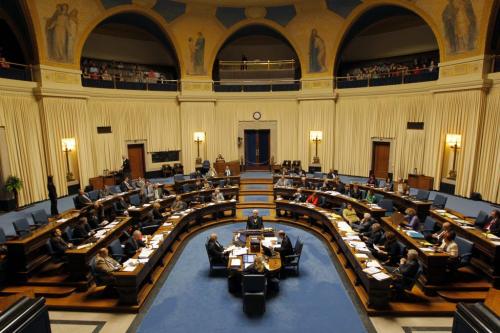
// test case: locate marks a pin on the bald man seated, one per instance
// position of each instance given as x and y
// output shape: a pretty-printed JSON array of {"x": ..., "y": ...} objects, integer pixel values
[
  {"x": 105, "y": 265},
  {"x": 254, "y": 221}
]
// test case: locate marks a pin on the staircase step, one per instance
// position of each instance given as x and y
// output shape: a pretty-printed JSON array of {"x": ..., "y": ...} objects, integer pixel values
[
  {"x": 463, "y": 296},
  {"x": 45, "y": 291}
]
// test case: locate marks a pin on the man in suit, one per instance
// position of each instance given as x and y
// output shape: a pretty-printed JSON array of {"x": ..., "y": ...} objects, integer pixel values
[
  {"x": 437, "y": 237},
  {"x": 355, "y": 192},
  {"x": 255, "y": 221},
  {"x": 406, "y": 272},
  {"x": 227, "y": 172},
  {"x": 134, "y": 244},
  {"x": 105, "y": 265},
  {"x": 125, "y": 166},
  {"x": 82, "y": 230},
  {"x": 217, "y": 196},
  {"x": 286, "y": 247},
  {"x": 492, "y": 224},
  {"x": 299, "y": 196},
  {"x": 125, "y": 185},
  {"x": 178, "y": 204},
  {"x": 365, "y": 223},
  {"x": 374, "y": 236},
  {"x": 216, "y": 250},
  {"x": 83, "y": 200},
  {"x": 59, "y": 245},
  {"x": 281, "y": 182}
]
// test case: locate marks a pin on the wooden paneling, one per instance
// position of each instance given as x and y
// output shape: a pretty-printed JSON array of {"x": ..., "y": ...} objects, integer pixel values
[
  {"x": 380, "y": 159},
  {"x": 137, "y": 162}
]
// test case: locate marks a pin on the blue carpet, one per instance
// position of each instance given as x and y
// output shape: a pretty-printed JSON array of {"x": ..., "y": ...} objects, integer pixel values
[
  {"x": 255, "y": 198},
  {"x": 191, "y": 301},
  {"x": 256, "y": 187},
  {"x": 262, "y": 212}
]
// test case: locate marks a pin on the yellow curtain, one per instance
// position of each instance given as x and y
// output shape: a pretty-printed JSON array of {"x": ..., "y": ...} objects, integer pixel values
[{"x": 19, "y": 115}]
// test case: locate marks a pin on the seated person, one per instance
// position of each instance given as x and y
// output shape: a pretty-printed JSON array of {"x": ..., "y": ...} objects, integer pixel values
[
  {"x": 105, "y": 265},
  {"x": 217, "y": 196},
  {"x": 178, "y": 204},
  {"x": 390, "y": 253},
  {"x": 258, "y": 266},
  {"x": 299, "y": 196},
  {"x": 83, "y": 200},
  {"x": 327, "y": 185},
  {"x": 94, "y": 221},
  {"x": 207, "y": 185},
  {"x": 331, "y": 174},
  {"x": 197, "y": 185},
  {"x": 350, "y": 215},
  {"x": 450, "y": 247},
  {"x": 406, "y": 272},
  {"x": 402, "y": 187},
  {"x": 313, "y": 199},
  {"x": 388, "y": 186},
  {"x": 286, "y": 247},
  {"x": 125, "y": 185},
  {"x": 372, "y": 181},
  {"x": 281, "y": 182},
  {"x": 437, "y": 237},
  {"x": 355, "y": 192},
  {"x": 211, "y": 173},
  {"x": 339, "y": 186},
  {"x": 373, "y": 236},
  {"x": 370, "y": 197},
  {"x": 134, "y": 244},
  {"x": 365, "y": 223},
  {"x": 492, "y": 224},
  {"x": 121, "y": 206},
  {"x": 157, "y": 212},
  {"x": 254, "y": 222},
  {"x": 149, "y": 192},
  {"x": 82, "y": 230},
  {"x": 157, "y": 192},
  {"x": 140, "y": 183},
  {"x": 216, "y": 250},
  {"x": 412, "y": 220},
  {"x": 59, "y": 245}
]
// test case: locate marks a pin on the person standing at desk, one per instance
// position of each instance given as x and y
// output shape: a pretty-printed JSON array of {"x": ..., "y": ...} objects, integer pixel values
[
  {"x": 51, "y": 188},
  {"x": 254, "y": 222},
  {"x": 125, "y": 166}
]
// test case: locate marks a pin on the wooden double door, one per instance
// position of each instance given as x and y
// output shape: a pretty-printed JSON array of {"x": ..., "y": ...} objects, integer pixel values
[{"x": 257, "y": 149}]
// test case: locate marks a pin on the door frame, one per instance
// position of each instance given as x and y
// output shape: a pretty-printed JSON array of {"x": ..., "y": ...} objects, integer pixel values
[
  {"x": 271, "y": 125},
  {"x": 392, "y": 151},
  {"x": 144, "y": 150}
]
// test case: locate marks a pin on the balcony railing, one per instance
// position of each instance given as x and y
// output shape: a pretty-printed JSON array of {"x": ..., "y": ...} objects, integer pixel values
[
  {"x": 257, "y": 70},
  {"x": 256, "y": 85},
  {"x": 11, "y": 70},
  {"x": 388, "y": 78},
  {"x": 113, "y": 82}
]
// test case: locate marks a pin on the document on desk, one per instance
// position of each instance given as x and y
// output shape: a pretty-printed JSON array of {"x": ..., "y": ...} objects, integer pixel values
[
  {"x": 236, "y": 262},
  {"x": 240, "y": 251},
  {"x": 145, "y": 253},
  {"x": 373, "y": 263},
  {"x": 61, "y": 220},
  {"x": 371, "y": 270},
  {"x": 229, "y": 248},
  {"x": 128, "y": 268},
  {"x": 361, "y": 256},
  {"x": 381, "y": 276}
]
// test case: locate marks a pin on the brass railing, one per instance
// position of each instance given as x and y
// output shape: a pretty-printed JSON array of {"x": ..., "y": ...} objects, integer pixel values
[{"x": 15, "y": 71}]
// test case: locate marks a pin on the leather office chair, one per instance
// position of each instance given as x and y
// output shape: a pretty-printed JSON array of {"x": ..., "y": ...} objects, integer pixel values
[
  {"x": 22, "y": 227},
  {"x": 464, "y": 251},
  {"x": 68, "y": 236},
  {"x": 179, "y": 177},
  {"x": 135, "y": 200},
  {"x": 76, "y": 203},
  {"x": 116, "y": 251},
  {"x": 388, "y": 205},
  {"x": 429, "y": 226},
  {"x": 407, "y": 284},
  {"x": 422, "y": 195},
  {"x": 94, "y": 195},
  {"x": 40, "y": 217},
  {"x": 178, "y": 168},
  {"x": 481, "y": 219},
  {"x": 292, "y": 261},
  {"x": 215, "y": 264},
  {"x": 254, "y": 290},
  {"x": 205, "y": 167},
  {"x": 439, "y": 201},
  {"x": 378, "y": 197},
  {"x": 186, "y": 188}
]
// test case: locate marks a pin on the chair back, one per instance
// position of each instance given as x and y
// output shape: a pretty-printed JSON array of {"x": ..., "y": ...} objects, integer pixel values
[
  {"x": 412, "y": 281},
  {"x": 222, "y": 183},
  {"x": 22, "y": 227},
  {"x": 68, "y": 233},
  {"x": 403, "y": 249},
  {"x": 318, "y": 174},
  {"x": 254, "y": 283},
  {"x": 49, "y": 247},
  {"x": 298, "y": 247},
  {"x": 3, "y": 237},
  {"x": 135, "y": 200},
  {"x": 178, "y": 177},
  {"x": 40, "y": 217},
  {"x": 422, "y": 195},
  {"x": 481, "y": 218},
  {"x": 429, "y": 224},
  {"x": 387, "y": 204},
  {"x": 440, "y": 201},
  {"x": 192, "y": 175},
  {"x": 93, "y": 195},
  {"x": 116, "y": 249},
  {"x": 378, "y": 197},
  {"x": 75, "y": 202},
  {"x": 464, "y": 250},
  {"x": 186, "y": 188}
]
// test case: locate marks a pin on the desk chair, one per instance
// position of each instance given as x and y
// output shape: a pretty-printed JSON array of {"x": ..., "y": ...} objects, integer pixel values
[
  {"x": 439, "y": 201},
  {"x": 388, "y": 205},
  {"x": 378, "y": 197},
  {"x": 481, "y": 219},
  {"x": 407, "y": 284},
  {"x": 422, "y": 195},
  {"x": 254, "y": 290},
  {"x": 464, "y": 251},
  {"x": 116, "y": 251},
  {"x": 135, "y": 200},
  {"x": 40, "y": 217},
  {"x": 292, "y": 261},
  {"x": 429, "y": 226},
  {"x": 22, "y": 227},
  {"x": 94, "y": 195},
  {"x": 68, "y": 235}
]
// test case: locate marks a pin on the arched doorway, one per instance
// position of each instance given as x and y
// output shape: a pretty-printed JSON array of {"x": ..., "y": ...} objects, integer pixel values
[
  {"x": 129, "y": 51},
  {"x": 387, "y": 45}
]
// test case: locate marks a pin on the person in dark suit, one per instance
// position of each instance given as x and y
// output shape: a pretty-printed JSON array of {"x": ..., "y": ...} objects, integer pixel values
[
  {"x": 286, "y": 247},
  {"x": 125, "y": 185},
  {"x": 82, "y": 230},
  {"x": 355, "y": 192},
  {"x": 374, "y": 236},
  {"x": 134, "y": 244},
  {"x": 216, "y": 250},
  {"x": 59, "y": 245},
  {"x": 83, "y": 200},
  {"x": 406, "y": 272},
  {"x": 254, "y": 221},
  {"x": 372, "y": 181},
  {"x": 492, "y": 224},
  {"x": 299, "y": 196},
  {"x": 391, "y": 252},
  {"x": 51, "y": 188},
  {"x": 125, "y": 166},
  {"x": 365, "y": 224}
]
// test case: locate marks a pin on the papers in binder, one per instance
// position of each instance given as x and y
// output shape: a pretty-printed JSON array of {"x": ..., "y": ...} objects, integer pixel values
[{"x": 381, "y": 276}]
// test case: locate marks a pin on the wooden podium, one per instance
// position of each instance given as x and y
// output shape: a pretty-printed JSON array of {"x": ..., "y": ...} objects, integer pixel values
[
  {"x": 220, "y": 166},
  {"x": 421, "y": 182}
]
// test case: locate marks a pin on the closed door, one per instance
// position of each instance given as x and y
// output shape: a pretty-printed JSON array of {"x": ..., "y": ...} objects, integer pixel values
[
  {"x": 137, "y": 161},
  {"x": 257, "y": 148},
  {"x": 380, "y": 159}
]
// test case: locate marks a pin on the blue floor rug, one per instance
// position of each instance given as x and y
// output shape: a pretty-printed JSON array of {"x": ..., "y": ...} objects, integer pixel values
[{"x": 191, "y": 301}]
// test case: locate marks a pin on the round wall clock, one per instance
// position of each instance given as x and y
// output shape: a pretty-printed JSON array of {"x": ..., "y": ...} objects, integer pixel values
[{"x": 257, "y": 115}]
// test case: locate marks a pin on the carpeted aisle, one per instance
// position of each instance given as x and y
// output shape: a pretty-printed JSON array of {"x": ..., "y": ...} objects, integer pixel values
[{"x": 191, "y": 301}]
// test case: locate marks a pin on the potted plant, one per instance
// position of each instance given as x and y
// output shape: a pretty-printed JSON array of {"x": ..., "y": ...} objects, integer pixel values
[{"x": 14, "y": 185}]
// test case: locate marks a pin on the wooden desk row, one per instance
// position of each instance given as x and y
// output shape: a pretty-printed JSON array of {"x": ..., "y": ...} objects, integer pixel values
[
  {"x": 130, "y": 283},
  {"x": 234, "y": 180},
  {"x": 378, "y": 291},
  {"x": 486, "y": 251},
  {"x": 334, "y": 199}
]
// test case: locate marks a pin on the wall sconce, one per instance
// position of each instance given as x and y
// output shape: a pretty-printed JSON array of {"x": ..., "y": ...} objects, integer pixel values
[
  {"x": 316, "y": 137},
  {"x": 454, "y": 141},
  {"x": 199, "y": 137},
  {"x": 68, "y": 145}
]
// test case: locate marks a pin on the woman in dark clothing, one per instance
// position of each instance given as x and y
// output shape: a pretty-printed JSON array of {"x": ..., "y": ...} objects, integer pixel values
[{"x": 52, "y": 196}]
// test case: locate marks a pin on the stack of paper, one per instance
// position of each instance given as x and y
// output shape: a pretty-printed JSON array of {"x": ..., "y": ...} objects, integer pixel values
[
  {"x": 371, "y": 270},
  {"x": 381, "y": 276},
  {"x": 240, "y": 251},
  {"x": 236, "y": 262},
  {"x": 145, "y": 253},
  {"x": 361, "y": 256},
  {"x": 373, "y": 263}
]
